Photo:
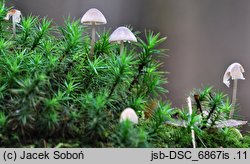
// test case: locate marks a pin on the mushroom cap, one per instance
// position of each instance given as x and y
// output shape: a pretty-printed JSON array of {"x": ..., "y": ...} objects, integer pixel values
[
  {"x": 15, "y": 14},
  {"x": 235, "y": 71},
  {"x": 93, "y": 16},
  {"x": 122, "y": 34},
  {"x": 129, "y": 114}
]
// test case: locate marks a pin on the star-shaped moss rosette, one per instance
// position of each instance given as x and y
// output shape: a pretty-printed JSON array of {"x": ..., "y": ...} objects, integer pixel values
[
  {"x": 210, "y": 111},
  {"x": 208, "y": 118}
]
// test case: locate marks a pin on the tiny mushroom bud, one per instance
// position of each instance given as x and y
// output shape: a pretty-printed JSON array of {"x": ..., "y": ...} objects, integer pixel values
[
  {"x": 16, "y": 18},
  {"x": 121, "y": 35},
  {"x": 235, "y": 71},
  {"x": 129, "y": 114},
  {"x": 93, "y": 17}
]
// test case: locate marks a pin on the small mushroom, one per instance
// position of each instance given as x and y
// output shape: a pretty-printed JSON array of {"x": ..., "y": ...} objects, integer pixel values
[
  {"x": 16, "y": 18},
  {"x": 129, "y": 114},
  {"x": 121, "y": 35},
  {"x": 93, "y": 17},
  {"x": 235, "y": 71}
]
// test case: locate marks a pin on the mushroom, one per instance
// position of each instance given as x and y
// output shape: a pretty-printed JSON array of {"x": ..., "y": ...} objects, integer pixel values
[
  {"x": 192, "y": 128},
  {"x": 129, "y": 114},
  {"x": 235, "y": 71},
  {"x": 16, "y": 18},
  {"x": 93, "y": 17},
  {"x": 121, "y": 35}
]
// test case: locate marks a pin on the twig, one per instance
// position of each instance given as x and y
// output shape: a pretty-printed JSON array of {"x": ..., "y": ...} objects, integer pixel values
[{"x": 198, "y": 103}]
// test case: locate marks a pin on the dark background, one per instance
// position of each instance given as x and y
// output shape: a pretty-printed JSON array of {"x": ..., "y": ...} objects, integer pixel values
[{"x": 204, "y": 36}]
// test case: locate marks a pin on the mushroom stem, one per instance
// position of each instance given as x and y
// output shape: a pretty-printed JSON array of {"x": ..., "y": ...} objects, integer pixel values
[
  {"x": 193, "y": 137},
  {"x": 93, "y": 40},
  {"x": 192, "y": 128},
  {"x": 14, "y": 27},
  {"x": 121, "y": 47},
  {"x": 234, "y": 98}
]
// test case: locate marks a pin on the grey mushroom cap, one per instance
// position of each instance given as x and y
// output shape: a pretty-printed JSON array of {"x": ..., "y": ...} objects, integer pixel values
[
  {"x": 93, "y": 16},
  {"x": 122, "y": 34},
  {"x": 235, "y": 71}
]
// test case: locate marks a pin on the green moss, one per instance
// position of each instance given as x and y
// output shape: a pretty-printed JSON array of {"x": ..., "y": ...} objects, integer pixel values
[{"x": 52, "y": 94}]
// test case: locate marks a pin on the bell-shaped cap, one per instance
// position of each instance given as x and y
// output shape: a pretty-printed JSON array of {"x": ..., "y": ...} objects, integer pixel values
[
  {"x": 122, "y": 34},
  {"x": 15, "y": 14},
  {"x": 93, "y": 16},
  {"x": 235, "y": 71},
  {"x": 129, "y": 114}
]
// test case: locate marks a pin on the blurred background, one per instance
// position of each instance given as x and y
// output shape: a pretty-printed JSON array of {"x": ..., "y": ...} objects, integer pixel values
[{"x": 204, "y": 37}]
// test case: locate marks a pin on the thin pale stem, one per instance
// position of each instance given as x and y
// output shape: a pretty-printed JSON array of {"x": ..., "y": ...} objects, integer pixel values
[
  {"x": 193, "y": 138},
  {"x": 93, "y": 40},
  {"x": 234, "y": 98},
  {"x": 14, "y": 28},
  {"x": 192, "y": 129},
  {"x": 121, "y": 47}
]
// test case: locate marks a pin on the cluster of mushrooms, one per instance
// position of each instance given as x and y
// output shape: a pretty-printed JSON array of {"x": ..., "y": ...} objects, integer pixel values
[
  {"x": 94, "y": 17},
  {"x": 122, "y": 34}
]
